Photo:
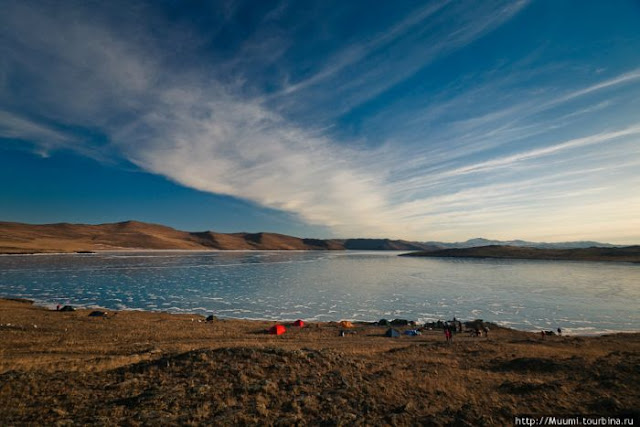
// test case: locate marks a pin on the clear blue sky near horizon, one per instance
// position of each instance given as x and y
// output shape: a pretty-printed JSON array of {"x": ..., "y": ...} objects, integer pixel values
[{"x": 437, "y": 120}]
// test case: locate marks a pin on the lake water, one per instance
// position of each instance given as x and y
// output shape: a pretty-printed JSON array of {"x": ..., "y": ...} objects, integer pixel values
[{"x": 580, "y": 297}]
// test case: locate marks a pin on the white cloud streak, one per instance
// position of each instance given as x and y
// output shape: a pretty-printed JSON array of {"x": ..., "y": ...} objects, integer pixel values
[
  {"x": 15, "y": 127},
  {"x": 239, "y": 148},
  {"x": 421, "y": 43}
]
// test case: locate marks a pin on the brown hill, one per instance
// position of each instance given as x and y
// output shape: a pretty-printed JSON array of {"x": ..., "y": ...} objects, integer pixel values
[
  {"x": 624, "y": 254},
  {"x": 261, "y": 241},
  {"x": 20, "y": 238},
  {"x": 385, "y": 244},
  {"x": 63, "y": 237}
]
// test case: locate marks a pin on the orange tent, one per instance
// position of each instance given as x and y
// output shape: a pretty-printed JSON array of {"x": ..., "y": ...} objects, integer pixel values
[
  {"x": 299, "y": 323},
  {"x": 346, "y": 324},
  {"x": 277, "y": 330}
]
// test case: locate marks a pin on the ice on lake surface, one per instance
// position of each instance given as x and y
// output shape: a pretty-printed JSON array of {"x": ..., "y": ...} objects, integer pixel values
[{"x": 580, "y": 297}]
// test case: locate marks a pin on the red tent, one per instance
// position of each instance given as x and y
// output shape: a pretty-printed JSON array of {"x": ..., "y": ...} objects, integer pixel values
[
  {"x": 299, "y": 323},
  {"x": 277, "y": 330}
]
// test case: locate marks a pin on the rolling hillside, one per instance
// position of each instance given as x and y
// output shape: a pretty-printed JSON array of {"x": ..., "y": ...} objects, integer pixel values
[{"x": 131, "y": 235}]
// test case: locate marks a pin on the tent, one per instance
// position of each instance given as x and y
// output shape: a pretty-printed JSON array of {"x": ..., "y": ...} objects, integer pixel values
[
  {"x": 383, "y": 322},
  {"x": 346, "y": 324},
  {"x": 412, "y": 332},
  {"x": 277, "y": 330},
  {"x": 392, "y": 333},
  {"x": 299, "y": 323},
  {"x": 68, "y": 308},
  {"x": 98, "y": 314}
]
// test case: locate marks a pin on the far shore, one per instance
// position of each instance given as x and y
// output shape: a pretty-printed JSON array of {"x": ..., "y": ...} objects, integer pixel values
[
  {"x": 137, "y": 367},
  {"x": 630, "y": 254}
]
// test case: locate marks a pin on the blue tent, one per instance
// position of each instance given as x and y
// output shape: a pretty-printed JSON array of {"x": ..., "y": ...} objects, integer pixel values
[{"x": 392, "y": 333}]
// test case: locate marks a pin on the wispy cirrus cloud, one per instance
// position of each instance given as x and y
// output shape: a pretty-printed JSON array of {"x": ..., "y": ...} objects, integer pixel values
[
  {"x": 393, "y": 56},
  {"x": 239, "y": 148},
  {"x": 354, "y": 54},
  {"x": 13, "y": 126}
]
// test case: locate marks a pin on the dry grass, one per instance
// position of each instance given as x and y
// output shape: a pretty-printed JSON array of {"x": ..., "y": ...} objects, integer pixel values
[{"x": 138, "y": 368}]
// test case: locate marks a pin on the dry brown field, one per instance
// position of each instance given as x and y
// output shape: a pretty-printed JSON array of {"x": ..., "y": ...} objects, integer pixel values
[{"x": 146, "y": 368}]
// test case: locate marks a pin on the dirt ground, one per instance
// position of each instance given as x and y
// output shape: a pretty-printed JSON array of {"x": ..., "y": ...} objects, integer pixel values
[{"x": 143, "y": 368}]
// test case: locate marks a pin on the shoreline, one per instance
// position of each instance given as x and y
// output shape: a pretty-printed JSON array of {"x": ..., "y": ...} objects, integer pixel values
[
  {"x": 445, "y": 254},
  {"x": 186, "y": 251},
  {"x": 50, "y": 306},
  {"x": 626, "y": 254}
]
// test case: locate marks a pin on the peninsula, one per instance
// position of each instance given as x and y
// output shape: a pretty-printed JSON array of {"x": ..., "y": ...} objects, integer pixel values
[{"x": 623, "y": 254}]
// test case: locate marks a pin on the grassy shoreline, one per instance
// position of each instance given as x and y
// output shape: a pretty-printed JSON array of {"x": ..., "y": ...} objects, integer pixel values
[
  {"x": 49, "y": 305},
  {"x": 136, "y": 368}
]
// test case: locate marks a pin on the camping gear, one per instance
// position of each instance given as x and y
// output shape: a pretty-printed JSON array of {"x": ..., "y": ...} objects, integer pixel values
[
  {"x": 277, "y": 330},
  {"x": 68, "y": 308},
  {"x": 299, "y": 323},
  {"x": 392, "y": 333},
  {"x": 399, "y": 322},
  {"x": 346, "y": 324},
  {"x": 211, "y": 318},
  {"x": 383, "y": 322},
  {"x": 98, "y": 314},
  {"x": 412, "y": 332}
]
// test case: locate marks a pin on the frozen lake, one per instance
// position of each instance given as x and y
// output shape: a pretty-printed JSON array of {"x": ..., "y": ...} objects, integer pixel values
[{"x": 580, "y": 297}]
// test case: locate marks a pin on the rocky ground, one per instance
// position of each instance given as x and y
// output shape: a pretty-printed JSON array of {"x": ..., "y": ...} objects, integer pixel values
[{"x": 140, "y": 368}]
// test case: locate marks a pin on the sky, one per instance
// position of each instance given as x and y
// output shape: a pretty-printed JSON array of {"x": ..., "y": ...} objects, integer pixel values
[{"x": 437, "y": 120}]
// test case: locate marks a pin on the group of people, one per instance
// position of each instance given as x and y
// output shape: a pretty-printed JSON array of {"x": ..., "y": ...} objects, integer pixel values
[{"x": 450, "y": 328}]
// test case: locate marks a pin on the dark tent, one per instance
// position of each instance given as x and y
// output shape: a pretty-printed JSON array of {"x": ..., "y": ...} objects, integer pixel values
[
  {"x": 211, "y": 318},
  {"x": 68, "y": 308},
  {"x": 392, "y": 333},
  {"x": 399, "y": 322},
  {"x": 98, "y": 314},
  {"x": 383, "y": 322},
  {"x": 277, "y": 330},
  {"x": 299, "y": 323}
]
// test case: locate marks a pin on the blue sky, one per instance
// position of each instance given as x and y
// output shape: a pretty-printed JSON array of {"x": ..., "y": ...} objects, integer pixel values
[{"x": 440, "y": 120}]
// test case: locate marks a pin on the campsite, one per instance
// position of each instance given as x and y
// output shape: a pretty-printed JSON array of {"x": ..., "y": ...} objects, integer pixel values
[{"x": 129, "y": 367}]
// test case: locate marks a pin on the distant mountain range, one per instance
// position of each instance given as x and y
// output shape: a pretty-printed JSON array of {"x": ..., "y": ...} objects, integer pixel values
[
  {"x": 130, "y": 235},
  {"x": 473, "y": 243}
]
